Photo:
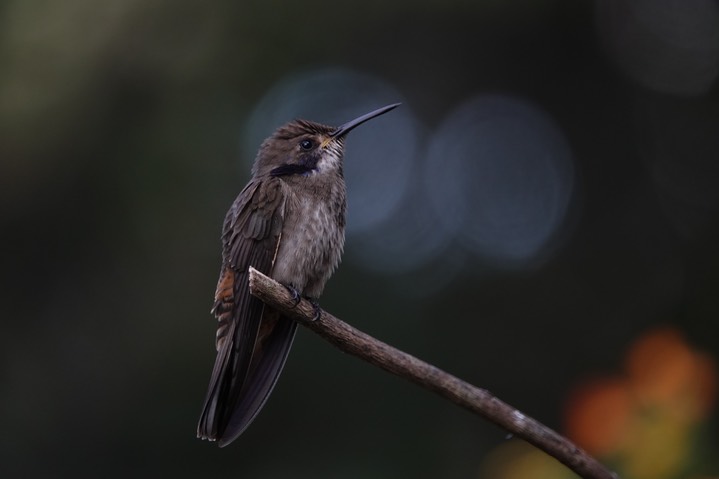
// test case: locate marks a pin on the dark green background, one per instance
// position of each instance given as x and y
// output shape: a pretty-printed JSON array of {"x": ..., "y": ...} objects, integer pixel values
[{"x": 120, "y": 126}]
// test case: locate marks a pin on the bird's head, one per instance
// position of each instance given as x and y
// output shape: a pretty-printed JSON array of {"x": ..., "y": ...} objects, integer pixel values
[{"x": 304, "y": 147}]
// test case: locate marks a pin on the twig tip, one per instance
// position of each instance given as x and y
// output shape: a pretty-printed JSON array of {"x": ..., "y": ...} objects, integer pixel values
[{"x": 253, "y": 278}]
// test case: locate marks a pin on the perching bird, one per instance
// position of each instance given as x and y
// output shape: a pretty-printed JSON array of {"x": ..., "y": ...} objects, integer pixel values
[{"x": 288, "y": 223}]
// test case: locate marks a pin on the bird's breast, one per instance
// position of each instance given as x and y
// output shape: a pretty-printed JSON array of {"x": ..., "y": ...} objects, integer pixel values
[{"x": 311, "y": 243}]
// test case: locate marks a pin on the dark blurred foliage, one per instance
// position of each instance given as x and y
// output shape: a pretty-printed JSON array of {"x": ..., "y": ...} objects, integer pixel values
[{"x": 121, "y": 126}]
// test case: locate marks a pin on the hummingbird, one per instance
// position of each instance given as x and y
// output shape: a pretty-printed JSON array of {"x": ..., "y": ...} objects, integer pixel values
[{"x": 288, "y": 223}]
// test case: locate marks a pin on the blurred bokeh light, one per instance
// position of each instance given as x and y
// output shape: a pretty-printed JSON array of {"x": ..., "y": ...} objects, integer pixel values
[
  {"x": 380, "y": 153},
  {"x": 500, "y": 176},
  {"x": 671, "y": 46}
]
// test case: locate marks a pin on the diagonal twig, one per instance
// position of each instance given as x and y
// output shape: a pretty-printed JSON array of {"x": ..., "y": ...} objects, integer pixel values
[{"x": 480, "y": 401}]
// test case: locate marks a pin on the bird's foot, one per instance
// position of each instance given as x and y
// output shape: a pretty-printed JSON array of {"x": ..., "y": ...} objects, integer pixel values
[
  {"x": 316, "y": 306},
  {"x": 296, "y": 296}
]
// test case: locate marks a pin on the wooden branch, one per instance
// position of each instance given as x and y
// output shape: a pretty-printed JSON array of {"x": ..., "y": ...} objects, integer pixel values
[{"x": 480, "y": 401}]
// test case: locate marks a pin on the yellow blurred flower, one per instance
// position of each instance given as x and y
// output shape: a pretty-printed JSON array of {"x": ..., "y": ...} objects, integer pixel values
[{"x": 520, "y": 460}]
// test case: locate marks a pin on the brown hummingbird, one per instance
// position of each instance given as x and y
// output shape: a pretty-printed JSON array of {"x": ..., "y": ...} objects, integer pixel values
[{"x": 288, "y": 223}]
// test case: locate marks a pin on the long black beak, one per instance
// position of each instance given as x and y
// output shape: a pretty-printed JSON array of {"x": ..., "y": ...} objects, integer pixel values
[{"x": 350, "y": 125}]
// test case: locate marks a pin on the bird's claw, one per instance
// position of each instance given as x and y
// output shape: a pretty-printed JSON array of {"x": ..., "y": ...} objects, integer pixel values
[
  {"x": 296, "y": 296},
  {"x": 316, "y": 306}
]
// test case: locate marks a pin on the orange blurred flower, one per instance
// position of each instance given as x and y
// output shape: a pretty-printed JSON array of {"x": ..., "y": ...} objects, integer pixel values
[
  {"x": 646, "y": 423},
  {"x": 663, "y": 370},
  {"x": 598, "y": 412},
  {"x": 645, "y": 420}
]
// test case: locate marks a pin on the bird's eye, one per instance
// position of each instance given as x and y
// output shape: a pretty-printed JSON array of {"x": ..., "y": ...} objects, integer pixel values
[{"x": 306, "y": 144}]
